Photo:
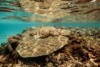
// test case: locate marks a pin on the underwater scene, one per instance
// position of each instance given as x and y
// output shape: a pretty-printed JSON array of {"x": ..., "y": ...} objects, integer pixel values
[{"x": 49, "y": 33}]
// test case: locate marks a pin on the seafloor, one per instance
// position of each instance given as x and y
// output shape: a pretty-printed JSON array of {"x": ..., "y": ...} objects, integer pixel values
[{"x": 82, "y": 50}]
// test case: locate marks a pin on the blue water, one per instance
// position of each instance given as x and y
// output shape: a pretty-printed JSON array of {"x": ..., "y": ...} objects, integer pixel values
[{"x": 11, "y": 23}]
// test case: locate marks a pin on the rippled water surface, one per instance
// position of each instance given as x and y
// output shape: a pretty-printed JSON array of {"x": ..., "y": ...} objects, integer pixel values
[{"x": 11, "y": 21}]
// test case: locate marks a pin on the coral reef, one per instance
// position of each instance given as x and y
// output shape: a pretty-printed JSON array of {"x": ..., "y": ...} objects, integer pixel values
[
  {"x": 82, "y": 50},
  {"x": 42, "y": 41}
]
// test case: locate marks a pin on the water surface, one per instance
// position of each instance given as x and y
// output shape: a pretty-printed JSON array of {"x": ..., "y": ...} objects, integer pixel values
[{"x": 12, "y": 23}]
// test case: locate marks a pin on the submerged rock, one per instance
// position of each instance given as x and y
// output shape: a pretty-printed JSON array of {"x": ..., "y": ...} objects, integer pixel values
[{"x": 42, "y": 41}]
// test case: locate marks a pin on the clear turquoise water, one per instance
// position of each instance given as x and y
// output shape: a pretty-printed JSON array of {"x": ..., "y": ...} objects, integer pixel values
[{"x": 11, "y": 23}]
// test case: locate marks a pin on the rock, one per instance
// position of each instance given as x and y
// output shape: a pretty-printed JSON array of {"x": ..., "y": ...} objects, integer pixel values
[
  {"x": 41, "y": 41},
  {"x": 2, "y": 58},
  {"x": 13, "y": 39}
]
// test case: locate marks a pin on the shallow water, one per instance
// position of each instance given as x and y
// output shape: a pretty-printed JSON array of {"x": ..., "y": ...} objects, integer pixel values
[
  {"x": 11, "y": 23},
  {"x": 14, "y": 26}
]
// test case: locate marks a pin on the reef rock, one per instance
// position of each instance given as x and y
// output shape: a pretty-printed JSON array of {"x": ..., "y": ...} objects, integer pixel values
[
  {"x": 82, "y": 48},
  {"x": 42, "y": 41}
]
